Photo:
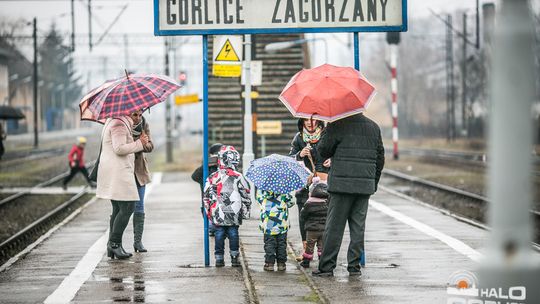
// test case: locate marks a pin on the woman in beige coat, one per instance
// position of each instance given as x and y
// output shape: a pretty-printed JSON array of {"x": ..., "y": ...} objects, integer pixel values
[{"x": 116, "y": 177}]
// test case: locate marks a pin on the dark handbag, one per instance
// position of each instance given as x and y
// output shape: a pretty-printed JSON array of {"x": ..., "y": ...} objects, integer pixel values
[{"x": 93, "y": 174}]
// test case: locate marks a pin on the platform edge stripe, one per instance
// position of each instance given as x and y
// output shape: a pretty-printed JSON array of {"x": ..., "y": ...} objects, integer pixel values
[
  {"x": 443, "y": 211},
  {"x": 460, "y": 218},
  {"x": 86, "y": 266},
  {"x": 72, "y": 283},
  {"x": 42, "y": 238},
  {"x": 454, "y": 243}
]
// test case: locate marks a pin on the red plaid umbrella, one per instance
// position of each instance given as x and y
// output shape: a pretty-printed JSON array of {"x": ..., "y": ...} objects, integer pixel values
[
  {"x": 123, "y": 96},
  {"x": 327, "y": 93}
]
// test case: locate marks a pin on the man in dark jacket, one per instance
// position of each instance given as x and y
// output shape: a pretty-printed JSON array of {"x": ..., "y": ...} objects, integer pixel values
[
  {"x": 355, "y": 146},
  {"x": 197, "y": 176}
]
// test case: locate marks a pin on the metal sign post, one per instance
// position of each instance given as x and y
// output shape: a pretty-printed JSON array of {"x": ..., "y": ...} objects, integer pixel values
[
  {"x": 247, "y": 17},
  {"x": 205, "y": 144}
]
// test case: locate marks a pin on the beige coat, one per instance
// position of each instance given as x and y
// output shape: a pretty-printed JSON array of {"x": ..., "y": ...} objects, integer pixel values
[
  {"x": 141, "y": 165},
  {"x": 116, "y": 172}
]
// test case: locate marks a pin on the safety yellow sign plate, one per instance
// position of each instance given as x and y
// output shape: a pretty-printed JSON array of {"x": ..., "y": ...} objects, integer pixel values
[
  {"x": 186, "y": 99},
  {"x": 254, "y": 94},
  {"x": 228, "y": 52},
  {"x": 269, "y": 127},
  {"x": 223, "y": 70}
]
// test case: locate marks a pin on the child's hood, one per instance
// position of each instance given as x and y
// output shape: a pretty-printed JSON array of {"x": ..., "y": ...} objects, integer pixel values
[{"x": 228, "y": 158}]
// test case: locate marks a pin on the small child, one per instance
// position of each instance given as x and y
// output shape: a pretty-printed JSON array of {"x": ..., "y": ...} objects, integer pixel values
[
  {"x": 227, "y": 202},
  {"x": 314, "y": 216},
  {"x": 274, "y": 224}
]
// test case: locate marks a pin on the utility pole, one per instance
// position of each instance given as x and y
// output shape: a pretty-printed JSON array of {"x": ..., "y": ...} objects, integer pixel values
[
  {"x": 248, "y": 119},
  {"x": 73, "y": 25},
  {"x": 393, "y": 40},
  {"x": 90, "y": 24},
  {"x": 104, "y": 60},
  {"x": 510, "y": 263},
  {"x": 126, "y": 52},
  {"x": 464, "y": 79},
  {"x": 450, "y": 91},
  {"x": 477, "y": 24},
  {"x": 36, "y": 133},
  {"x": 168, "y": 137}
]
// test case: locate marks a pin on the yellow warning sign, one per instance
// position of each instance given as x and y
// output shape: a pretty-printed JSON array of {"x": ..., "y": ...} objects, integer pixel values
[
  {"x": 186, "y": 99},
  {"x": 222, "y": 70},
  {"x": 269, "y": 127},
  {"x": 227, "y": 53}
]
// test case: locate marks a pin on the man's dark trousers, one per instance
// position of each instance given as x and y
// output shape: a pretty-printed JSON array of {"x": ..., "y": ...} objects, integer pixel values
[{"x": 344, "y": 208}]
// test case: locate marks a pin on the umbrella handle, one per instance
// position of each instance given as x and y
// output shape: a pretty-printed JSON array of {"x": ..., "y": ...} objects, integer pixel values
[{"x": 312, "y": 165}]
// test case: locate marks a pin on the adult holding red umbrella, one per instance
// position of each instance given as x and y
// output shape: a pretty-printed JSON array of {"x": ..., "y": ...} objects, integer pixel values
[
  {"x": 118, "y": 104},
  {"x": 304, "y": 148},
  {"x": 339, "y": 95}
]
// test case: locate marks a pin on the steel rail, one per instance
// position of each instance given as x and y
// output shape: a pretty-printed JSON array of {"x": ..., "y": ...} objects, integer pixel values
[
  {"x": 441, "y": 187},
  {"x": 46, "y": 183},
  {"x": 12, "y": 241}
]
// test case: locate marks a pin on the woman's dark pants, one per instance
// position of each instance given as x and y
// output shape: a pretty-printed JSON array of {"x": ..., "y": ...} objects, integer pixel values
[
  {"x": 301, "y": 198},
  {"x": 121, "y": 212}
]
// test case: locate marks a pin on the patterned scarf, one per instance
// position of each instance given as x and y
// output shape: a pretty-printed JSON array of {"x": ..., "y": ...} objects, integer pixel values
[
  {"x": 312, "y": 137},
  {"x": 138, "y": 129}
]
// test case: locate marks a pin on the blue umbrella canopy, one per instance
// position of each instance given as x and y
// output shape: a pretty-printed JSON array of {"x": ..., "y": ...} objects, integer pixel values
[{"x": 277, "y": 173}]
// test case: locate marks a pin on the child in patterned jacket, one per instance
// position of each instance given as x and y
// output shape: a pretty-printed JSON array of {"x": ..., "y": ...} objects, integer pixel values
[
  {"x": 227, "y": 202},
  {"x": 274, "y": 225}
]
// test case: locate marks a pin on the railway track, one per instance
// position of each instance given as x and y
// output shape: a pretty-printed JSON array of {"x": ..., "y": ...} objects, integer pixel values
[
  {"x": 25, "y": 155},
  {"x": 25, "y": 236},
  {"x": 454, "y": 197},
  {"x": 476, "y": 159},
  {"x": 20, "y": 239},
  {"x": 46, "y": 183}
]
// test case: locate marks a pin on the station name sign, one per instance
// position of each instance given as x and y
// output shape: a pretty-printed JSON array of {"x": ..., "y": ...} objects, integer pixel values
[{"x": 196, "y": 17}]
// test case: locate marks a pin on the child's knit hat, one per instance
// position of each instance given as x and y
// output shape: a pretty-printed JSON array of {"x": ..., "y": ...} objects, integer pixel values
[{"x": 318, "y": 188}]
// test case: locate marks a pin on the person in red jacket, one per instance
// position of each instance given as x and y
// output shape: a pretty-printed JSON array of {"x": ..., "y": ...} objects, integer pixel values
[{"x": 76, "y": 162}]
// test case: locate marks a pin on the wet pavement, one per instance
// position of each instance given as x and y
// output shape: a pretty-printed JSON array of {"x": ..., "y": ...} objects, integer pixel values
[{"x": 411, "y": 252}]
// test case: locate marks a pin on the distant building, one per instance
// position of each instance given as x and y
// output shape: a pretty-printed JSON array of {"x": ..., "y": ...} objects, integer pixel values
[{"x": 16, "y": 86}]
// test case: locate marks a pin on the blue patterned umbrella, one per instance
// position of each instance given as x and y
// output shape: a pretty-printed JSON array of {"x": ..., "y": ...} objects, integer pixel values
[{"x": 277, "y": 173}]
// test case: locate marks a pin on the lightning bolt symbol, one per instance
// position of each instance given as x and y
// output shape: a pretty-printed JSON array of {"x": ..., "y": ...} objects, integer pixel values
[{"x": 227, "y": 50}]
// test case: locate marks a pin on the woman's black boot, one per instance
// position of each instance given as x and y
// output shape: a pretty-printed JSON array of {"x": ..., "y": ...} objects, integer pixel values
[{"x": 115, "y": 250}]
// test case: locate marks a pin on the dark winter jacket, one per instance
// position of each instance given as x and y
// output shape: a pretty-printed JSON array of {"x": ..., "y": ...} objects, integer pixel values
[
  {"x": 197, "y": 175},
  {"x": 314, "y": 214},
  {"x": 298, "y": 144},
  {"x": 355, "y": 146}
]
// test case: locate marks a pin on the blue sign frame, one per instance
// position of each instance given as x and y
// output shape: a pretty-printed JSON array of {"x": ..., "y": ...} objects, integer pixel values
[
  {"x": 367, "y": 29},
  {"x": 205, "y": 33}
]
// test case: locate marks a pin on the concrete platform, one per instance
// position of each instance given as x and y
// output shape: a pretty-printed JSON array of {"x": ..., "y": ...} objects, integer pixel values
[{"x": 411, "y": 252}]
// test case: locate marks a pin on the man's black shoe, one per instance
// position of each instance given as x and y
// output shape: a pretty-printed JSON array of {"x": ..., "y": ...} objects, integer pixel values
[
  {"x": 318, "y": 273},
  {"x": 354, "y": 272}
]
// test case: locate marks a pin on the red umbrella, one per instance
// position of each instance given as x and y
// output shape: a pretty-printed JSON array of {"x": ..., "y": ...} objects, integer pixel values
[
  {"x": 327, "y": 93},
  {"x": 123, "y": 96}
]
